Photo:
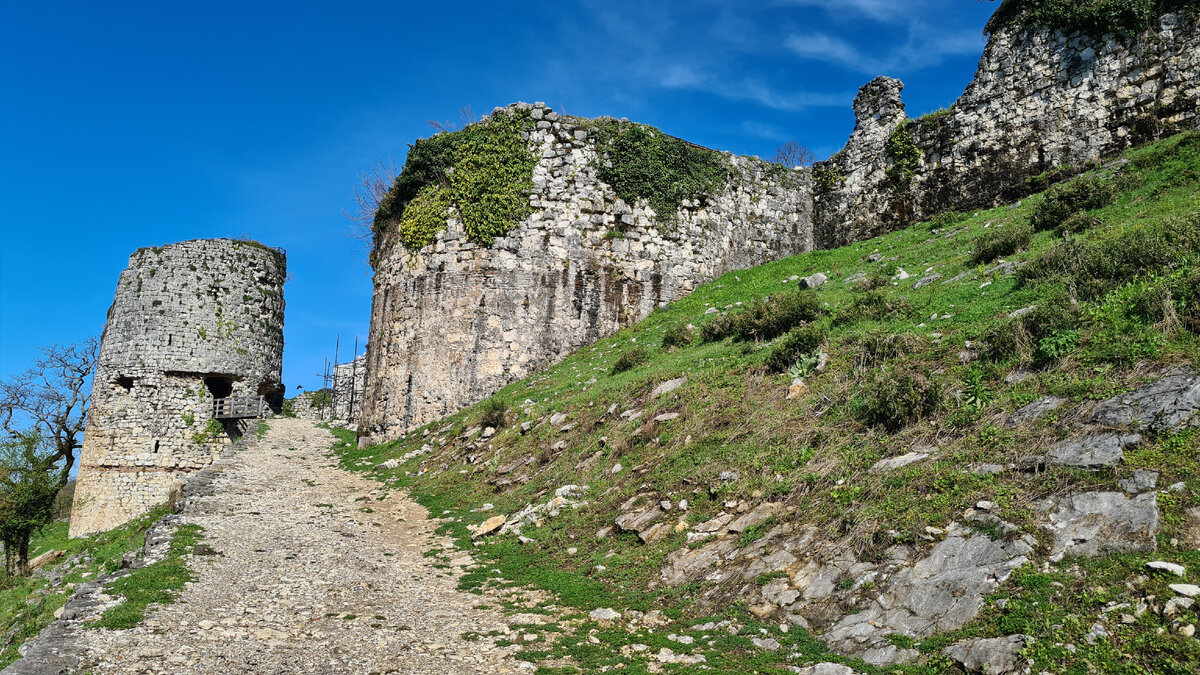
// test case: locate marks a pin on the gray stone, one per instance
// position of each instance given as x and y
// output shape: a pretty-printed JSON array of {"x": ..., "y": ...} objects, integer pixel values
[
  {"x": 1186, "y": 590},
  {"x": 939, "y": 593},
  {"x": 1093, "y": 452},
  {"x": 826, "y": 669},
  {"x": 926, "y": 280},
  {"x": 1141, "y": 481},
  {"x": 893, "y": 463},
  {"x": 604, "y": 614},
  {"x": 1096, "y": 523},
  {"x": 668, "y": 387},
  {"x": 813, "y": 281},
  {"x": 1169, "y": 403},
  {"x": 991, "y": 656},
  {"x": 755, "y": 516},
  {"x": 1036, "y": 410},
  {"x": 1166, "y": 567}
]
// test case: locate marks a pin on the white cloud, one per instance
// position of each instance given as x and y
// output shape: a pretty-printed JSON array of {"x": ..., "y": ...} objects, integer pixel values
[
  {"x": 880, "y": 10},
  {"x": 923, "y": 49}
]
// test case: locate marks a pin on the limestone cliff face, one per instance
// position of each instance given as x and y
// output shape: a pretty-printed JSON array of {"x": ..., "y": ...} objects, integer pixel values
[
  {"x": 454, "y": 321},
  {"x": 1040, "y": 101}
]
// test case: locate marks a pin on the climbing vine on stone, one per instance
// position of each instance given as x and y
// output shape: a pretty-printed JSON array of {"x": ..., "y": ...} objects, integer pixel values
[
  {"x": 904, "y": 154},
  {"x": 483, "y": 171},
  {"x": 641, "y": 162}
]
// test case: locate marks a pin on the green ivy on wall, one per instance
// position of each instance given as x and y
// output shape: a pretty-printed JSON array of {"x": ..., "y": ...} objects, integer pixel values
[
  {"x": 484, "y": 171},
  {"x": 1094, "y": 17},
  {"x": 641, "y": 162}
]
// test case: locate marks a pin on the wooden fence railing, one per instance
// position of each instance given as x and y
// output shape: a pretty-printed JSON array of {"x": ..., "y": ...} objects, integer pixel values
[{"x": 239, "y": 408}]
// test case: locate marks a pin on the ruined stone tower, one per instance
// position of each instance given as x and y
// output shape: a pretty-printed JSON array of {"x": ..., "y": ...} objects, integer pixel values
[{"x": 190, "y": 323}]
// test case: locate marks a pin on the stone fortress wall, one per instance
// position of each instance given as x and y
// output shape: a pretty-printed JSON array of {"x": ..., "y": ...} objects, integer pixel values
[
  {"x": 1040, "y": 101},
  {"x": 189, "y": 321},
  {"x": 454, "y": 322}
]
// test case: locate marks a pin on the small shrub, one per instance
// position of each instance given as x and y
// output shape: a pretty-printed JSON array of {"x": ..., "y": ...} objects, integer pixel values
[
  {"x": 999, "y": 243},
  {"x": 1094, "y": 267},
  {"x": 1080, "y": 222},
  {"x": 493, "y": 413},
  {"x": 1045, "y": 334},
  {"x": 872, "y": 305},
  {"x": 796, "y": 343},
  {"x": 677, "y": 336},
  {"x": 765, "y": 319},
  {"x": 62, "y": 502},
  {"x": 893, "y": 400},
  {"x": 947, "y": 219},
  {"x": 877, "y": 347},
  {"x": 629, "y": 360},
  {"x": 1064, "y": 201}
]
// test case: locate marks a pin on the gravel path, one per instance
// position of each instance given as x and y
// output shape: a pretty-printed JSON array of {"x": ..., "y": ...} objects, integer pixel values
[{"x": 316, "y": 575}]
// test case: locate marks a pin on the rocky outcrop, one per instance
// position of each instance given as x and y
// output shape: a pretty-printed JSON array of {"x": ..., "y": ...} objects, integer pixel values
[{"x": 1041, "y": 101}]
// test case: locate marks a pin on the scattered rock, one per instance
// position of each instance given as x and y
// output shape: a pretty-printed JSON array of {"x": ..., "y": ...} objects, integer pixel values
[
  {"x": 1141, "y": 481},
  {"x": 893, "y": 463},
  {"x": 1166, "y": 567},
  {"x": 1036, "y": 410},
  {"x": 1094, "y": 523},
  {"x": 1169, "y": 403},
  {"x": 1191, "y": 527},
  {"x": 1093, "y": 452},
  {"x": 1186, "y": 590},
  {"x": 668, "y": 387},
  {"x": 604, "y": 614},
  {"x": 769, "y": 644},
  {"x": 486, "y": 527},
  {"x": 926, "y": 280},
  {"x": 557, "y": 419},
  {"x": 992, "y": 656},
  {"x": 814, "y": 281},
  {"x": 711, "y": 310},
  {"x": 756, "y": 516},
  {"x": 797, "y": 389},
  {"x": 826, "y": 669},
  {"x": 389, "y": 464},
  {"x": 666, "y": 417}
]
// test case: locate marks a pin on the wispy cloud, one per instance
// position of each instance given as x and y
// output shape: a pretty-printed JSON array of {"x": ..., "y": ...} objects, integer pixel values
[
  {"x": 887, "y": 11},
  {"x": 922, "y": 50}
]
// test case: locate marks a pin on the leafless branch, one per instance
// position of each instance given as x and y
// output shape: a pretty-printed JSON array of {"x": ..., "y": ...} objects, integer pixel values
[
  {"x": 791, "y": 154},
  {"x": 373, "y": 186}
]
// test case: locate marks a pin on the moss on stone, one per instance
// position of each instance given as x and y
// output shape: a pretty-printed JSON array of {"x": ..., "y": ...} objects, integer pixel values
[
  {"x": 485, "y": 171},
  {"x": 642, "y": 163},
  {"x": 1098, "y": 17}
]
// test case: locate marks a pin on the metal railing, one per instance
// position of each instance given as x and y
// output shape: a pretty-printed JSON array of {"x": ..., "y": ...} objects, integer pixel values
[{"x": 239, "y": 408}]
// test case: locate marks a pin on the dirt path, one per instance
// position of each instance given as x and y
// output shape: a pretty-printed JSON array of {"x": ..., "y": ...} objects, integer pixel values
[{"x": 316, "y": 575}]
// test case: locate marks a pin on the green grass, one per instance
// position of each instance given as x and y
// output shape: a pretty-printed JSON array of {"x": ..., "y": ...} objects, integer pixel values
[
  {"x": 99, "y": 554},
  {"x": 814, "y": 452},
  {"x": 158, "y": 583}
]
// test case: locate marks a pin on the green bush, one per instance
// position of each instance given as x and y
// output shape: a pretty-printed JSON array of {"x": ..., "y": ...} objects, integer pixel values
[
  {"x": 794, "y": 344},
  {"x": 630, "y": 360},
  {"x": 1079, "y": 222},
  {"x": 677, "y": 336},
  {"x": 485, "y": 171},
  {"x": 871, "y": 305},
  {"x": 1094, "y": 17},
  {"x": 765, "y": 319},
  {"x": 641, "y": 162},
  {"x": 893, "y": 400},
  {"x": 1063, "y": 201},
  {"x": 946, "y": 219},
  {"x": 999, "y": 243},
  {"x": 62, "y": 502},
  {"x": 877, "y": 347},
  {"x": 1094, "y": 267},
  {"x": 493, "y": 413},
  {"x": 1047, "y": 333}
]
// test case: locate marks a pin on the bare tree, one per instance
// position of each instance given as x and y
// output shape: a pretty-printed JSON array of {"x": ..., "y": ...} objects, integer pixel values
[
  {"x": 791, "y": 154},
  {"x": 466, "y": 115},
  {"x": 373, "y": 186},
  {"x": 43, "y": 413}
]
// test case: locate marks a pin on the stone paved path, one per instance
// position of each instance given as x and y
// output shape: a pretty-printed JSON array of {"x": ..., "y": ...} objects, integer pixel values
[{"x": 308, "y": 581}]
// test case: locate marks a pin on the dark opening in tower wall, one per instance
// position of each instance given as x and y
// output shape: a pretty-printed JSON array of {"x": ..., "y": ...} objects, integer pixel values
[
  {"x": 218, "y": 386},
  {"x": 124, "y": 382}
]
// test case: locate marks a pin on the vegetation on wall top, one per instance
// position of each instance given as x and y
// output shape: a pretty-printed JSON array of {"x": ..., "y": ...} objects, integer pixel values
[
  {"x": 641, "y": 162},
  {"x": 1094, "y": 17},
  {"x": 483, "y": 171}
]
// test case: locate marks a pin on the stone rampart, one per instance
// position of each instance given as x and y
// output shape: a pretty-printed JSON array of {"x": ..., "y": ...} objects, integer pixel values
[
  {"x": 190, "y": 322},
  {"x": 454, "y": 321}
]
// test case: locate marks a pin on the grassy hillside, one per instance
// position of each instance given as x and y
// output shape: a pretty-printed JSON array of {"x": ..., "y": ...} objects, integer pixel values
[{"x": 1083, "y": 292}]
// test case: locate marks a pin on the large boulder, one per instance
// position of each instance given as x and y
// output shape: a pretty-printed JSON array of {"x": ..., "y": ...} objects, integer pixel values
[
  {"x": 1170, "y": 403},
  {"x": 991, "y": 656},
  {"x": 1095, "y": 523}
]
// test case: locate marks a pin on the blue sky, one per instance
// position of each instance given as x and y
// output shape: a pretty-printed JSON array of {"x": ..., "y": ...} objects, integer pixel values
[{"x": 129, "y": 124}]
